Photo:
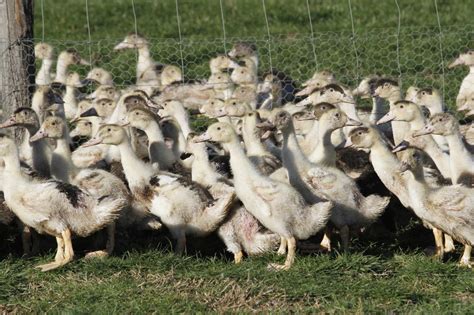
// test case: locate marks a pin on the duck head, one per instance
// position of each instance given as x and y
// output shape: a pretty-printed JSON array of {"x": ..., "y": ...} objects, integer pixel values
[
  {"x": 110, "y": 134},
  {"x": 365, "y": 87},
  {"x": 401, "y": 111},
  {"x": 243, "y": 49},
  {"x": 23, "y": 117},
  {"x": 74, "y": 80},
  {"x": 132, "y": 40},
  {"x": 82, "y": 128},
  {"x": 386, "y": 88},
  {"x": 218, "y": 132},
  {"x": 332, "y": 93},
  {"x": 52, "y": 127},
  {"x": 72, "y": 57},
  {"x": 140, "y": 118},
  {"x": 411, "y": 94},
  {"x": 100, "y": 76},
  {"x": 44, "y": 51},
  {"x": 171, "y": 74},
  {"x": 465, "y": 59},
  {"x": 442, "y": 124},
  {"x": 362, "y": 138}
]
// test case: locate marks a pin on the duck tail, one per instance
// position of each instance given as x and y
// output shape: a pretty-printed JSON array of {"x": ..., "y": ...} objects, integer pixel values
[
  {"x": 373, "y": 206},
  {"x": 215, "y": 213},
  {"x": 107, "y": 209}
]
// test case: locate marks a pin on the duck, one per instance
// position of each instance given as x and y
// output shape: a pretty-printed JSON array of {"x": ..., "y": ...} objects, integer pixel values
[
  {"x": 389, "y": 90},
  {"x": 148, "y": 71},
  {"x": 45, "y": 53},
  {"x": 175, "y": 110},
  {"x": 411, "y": 93},
  {"x": 100, "y": 76},
  {"x": 221, "y": 84},
  {"x": 65, "y": 59},
  {"x": 43, "y": 98},
  {"x": 467, "y": 107},
  {"x": 37, "y": 155},
  {"x": 53, "y": 207},
  {"x": 96, "y": 182},
  {"x": 73, "y": 82},
  {"x": 461, "y": 161},
  {"x": 221, "y": 64},
  {"x": 467, "y": 85},
  {"x": 411, "y": 114},
  {"x": 364, "y": 90},
  {"x": 245, "y": 51},
  {"x": 448, "y": 208},
  {"x": 279, "y": 85},
  {"x": 241, "y": 232},
  {"x": 317, "y": 81},
  {"x": 183, "y": 206},
  {"x": 161, "y": 156},
  {"x": 276, "y": 205},
  {"x": 319, "y": 181}
]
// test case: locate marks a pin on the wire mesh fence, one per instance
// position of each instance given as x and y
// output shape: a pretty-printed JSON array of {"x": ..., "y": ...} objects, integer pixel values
[{"x": 414, "y": 56}]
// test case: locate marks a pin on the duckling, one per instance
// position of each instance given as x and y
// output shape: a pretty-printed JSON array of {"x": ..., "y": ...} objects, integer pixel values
[
  {"x": 277, "y": 205},
  {"x": 467, "y": 85},
  {"x": 99, "y": 76},
  {"x": 161, "y": 156},
  {"x": 317, "y": 81},
  {"x": 246, "y": 94},
  {"x": 170, "y": 75},
  {"x": 240, "y": 231},
  {"x": 411, "y": 94},
  {"x": 65, "y": 59},
  {"x": 183, "y": 206},
  {"x": 73, "y": 82},
  {"x": 449, "y": 208},
  {"x": 45, "y": 53},
  {"x": 221, "y": 64},
  {"x": 317, "y": 181},
  {"x": 389, "y": 90},
  {"x": 37, "y": 155},
  {"x": 148, "y": 71},
  {"x": 54, "y": 207},
  {"x": 175, "y": 110},
  {"x": 104, "y": 107},
  {"x": 43, "y": 98},
  {"x": 245, "y": 51},
  {"x": 221, "y": 84},
  {"x": 105, "y": 91},
  {"x": 279, "y": 85},
  {"x": 410, "y": 113},
  {"x": 460, "y": 160},
  {"x": 94, "y": 181},
  {"x": 364, "y": 90}
]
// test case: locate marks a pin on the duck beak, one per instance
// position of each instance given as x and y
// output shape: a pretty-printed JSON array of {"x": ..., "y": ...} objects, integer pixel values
[
  {"x": 457, "y": 62},
  {"x": 201, "y": 138},
  {"x": 232, "y": 64},
  {"x": 89, "y": 113},
  {"x": 92, "y": 142},
  {"x": 123, "y": 122},
  {"x": 123, "y": 45},
  {"x": 427, "y": 129},
  {"x": 304, "y": 91},
  {"x": 266, "y": 125},
  {"x": 463, "y": 107},
  {"x": 84, "y": 62},
  {"x": 353, "y": 122},
  {"x": 302, "y": 116},
  {"x": 40, "y": 134},
  {"x": 10, "y": 122},
  {"x": 231, "y": 54},
  {"x": 87, "y": 81},
  {"x": 385, "y": 119},
  {"x": 401, "y": 146},
  {"x": 470, "y": 113},
  {"x": 349, "y": 143},
  {"x": 306, "y": 101}
]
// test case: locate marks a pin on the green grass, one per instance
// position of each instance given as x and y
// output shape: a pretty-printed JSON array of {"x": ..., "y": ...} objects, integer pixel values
[
  {"x": 385, "y": 272},
  {"x": 421, "y": 60}
]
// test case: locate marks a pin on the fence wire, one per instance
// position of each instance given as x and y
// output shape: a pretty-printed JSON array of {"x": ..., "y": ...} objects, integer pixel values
[{"x": 413, "y": 53}]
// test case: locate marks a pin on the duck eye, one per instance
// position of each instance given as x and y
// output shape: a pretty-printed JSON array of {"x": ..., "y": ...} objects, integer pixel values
[
  {"x": 331, "y": 90},
  {"x": 242, "y": 72},
  {"x": 53, "y": 124},
  {"x": 440, "y": 120},
  {"x": 212, "y": 103},
  {"x": 401, "y": 106},
  {"x": 218, "y": 128},
  {"x": 282, "y": 115},
  {"x": 234, "y": 103},
  {"x": 249, "y": 114},
  {"x": 136, "y": 113},
  {"x": 218, "y": 77},
  {"x": 337, "y": 115},
  {"x": 109, "y": 129},
  {"x": 423, "y": 93},
  {"x": 135, "y": 101},
  {"x": 360, "y": 133}
]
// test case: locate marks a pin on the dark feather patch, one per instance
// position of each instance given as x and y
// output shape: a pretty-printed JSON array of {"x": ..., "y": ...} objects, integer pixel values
[
  {"x": 334, "y": 86},
  {"x": 382, "y": 81},
  {"x": 73, "y": 193}
]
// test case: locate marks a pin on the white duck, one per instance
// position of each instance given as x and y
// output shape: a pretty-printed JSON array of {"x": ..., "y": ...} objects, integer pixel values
[
  {"x": 65, "y": 59},
  {"x": 53, "y": 207},
  {"x": 45, "y": 53},
  {"x": 277, "y": 205},
  {"x": 467, "y": 85}
]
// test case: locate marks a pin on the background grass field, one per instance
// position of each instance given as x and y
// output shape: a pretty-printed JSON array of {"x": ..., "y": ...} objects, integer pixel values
[{"x": 386, "y": 271}]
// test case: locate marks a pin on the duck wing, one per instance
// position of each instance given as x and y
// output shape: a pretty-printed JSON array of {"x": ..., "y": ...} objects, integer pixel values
[{"x": 320, "y": 179}]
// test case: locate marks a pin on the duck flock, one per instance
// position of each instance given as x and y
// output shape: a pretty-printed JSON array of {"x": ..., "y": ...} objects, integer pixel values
[{"x": 278, "y": 164}]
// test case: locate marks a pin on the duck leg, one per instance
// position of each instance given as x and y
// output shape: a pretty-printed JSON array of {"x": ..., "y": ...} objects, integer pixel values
[
  {"x": 238, "y": 257},
  {"x": 438, "y": 235},
  {"x": 466, "y": 257},
  {"x": 326, "y": 241},
  {"x": 58, "y": 259},
  {"x": 448, "y": 243},
  {"x": 344, "y": 231},
  {"x": 282, "y": 248},
  {"x": 290, "y": 257},
  {"x": 109, "y": 247}
]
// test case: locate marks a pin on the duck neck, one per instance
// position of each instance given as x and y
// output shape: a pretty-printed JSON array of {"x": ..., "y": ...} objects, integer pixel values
[
  {"x": 136, "y": 171},
  {"x": 44, "y": 73},
  {"x": 440, "y": 158},
  {"x": 154, "y": 133},
  {"x": 460, "y": 158},
  {"x": 471, "y": 69},
  {"x": 12, "y": 164},
  {"x": 418, "y": 122},
  {"x": 291, "y": 150},
  {"x": 241, "y": 166},
  {"x": 144, "y": 60},
  {"x": 383, "y": 159},
  {"x": 182, "y": 119},
  {"x": 202, "y": 171},
  {"x": 63, "y": 168},
  {"x": 324, "y": 152},
  {"x": 377, "y": 110},
  {"x": 61, "y": 71},
  {"x": 253, "y": 145}
]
